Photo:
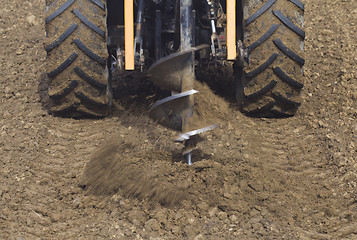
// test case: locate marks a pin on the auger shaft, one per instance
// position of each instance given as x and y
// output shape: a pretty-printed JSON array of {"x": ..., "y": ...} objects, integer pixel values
[{"x": 187, "y": 82}]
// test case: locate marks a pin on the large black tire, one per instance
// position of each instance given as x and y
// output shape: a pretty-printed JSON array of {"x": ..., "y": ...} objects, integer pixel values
[
  {"x": 77, "y": 58},
  {"x": 274, "y": 37}
]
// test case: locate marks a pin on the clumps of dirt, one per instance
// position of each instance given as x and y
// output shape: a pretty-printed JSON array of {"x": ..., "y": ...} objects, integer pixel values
[
  {"x": 155, "y": 176},
  {"x": 220, "y": 78},
  {"x": 210, "y": 106},
  {"x": 121, "y": 167}
]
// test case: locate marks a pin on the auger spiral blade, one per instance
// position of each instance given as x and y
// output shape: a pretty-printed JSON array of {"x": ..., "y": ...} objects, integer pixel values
[
  {"x": 168, "y": 111},
  {"x": 167, "y": 73}
]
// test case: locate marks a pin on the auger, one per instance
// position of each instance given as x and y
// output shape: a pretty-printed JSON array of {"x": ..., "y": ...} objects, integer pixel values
[{"x": 176, "y": 73}]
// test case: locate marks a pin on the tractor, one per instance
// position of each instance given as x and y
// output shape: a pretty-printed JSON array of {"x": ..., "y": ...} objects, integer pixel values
[{"x": 90, "y": 42}]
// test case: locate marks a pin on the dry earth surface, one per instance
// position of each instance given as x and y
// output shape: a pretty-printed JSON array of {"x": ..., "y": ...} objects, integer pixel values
[{"x": 291, "y": 178}]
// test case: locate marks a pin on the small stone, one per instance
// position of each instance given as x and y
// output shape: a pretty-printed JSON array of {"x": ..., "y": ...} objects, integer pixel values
[
  {"x": 202, "y": 206},
  {"x": 55, "y": 217},
  {"x": 176, "y": 230},
  {"x": 137, "y": 217},
  {"x": 233, "y": 218},
  {"x": 8, "y": 90},
  {"x": 6, "y": 211},
  {"x": 31, "y": 19},
  {"x": 258, "y": 227},
  {"x": 222, "y": 215},
  {"x": 322, "y": 124},
  {"x": 19, "y": 52},
  {"x": 191, "y": 231},
  {"x": 191, "y": 220},
  {"x": 263, "y": 212},
  {"x": 199, "y": 237},
  {"x": 161, "y": 216},
  {"x": 212, "y": 212},
  {"x": 7, "y": 115},
  {"x": 178, "y": 215},
  {"x": 152, "y": 225},
  {"x": 327, "y": 32},
  {"x": 190, "y": 217},
  {"x": 227, "y": 195},
  {"x": 255, "y": 220},
  {"x": 254, "y": 212},
  {"x": 42, "y": 210}
]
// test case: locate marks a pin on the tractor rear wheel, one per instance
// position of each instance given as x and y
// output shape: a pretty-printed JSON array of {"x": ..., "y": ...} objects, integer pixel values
[
  {"x": 77, "y": 58},
  {"x": 273, "y": 79}
]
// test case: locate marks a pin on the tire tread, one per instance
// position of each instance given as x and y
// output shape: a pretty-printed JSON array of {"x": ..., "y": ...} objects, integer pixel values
[
  {"x": 272, "y": 91},
  {"x": 76, "y": 92}
]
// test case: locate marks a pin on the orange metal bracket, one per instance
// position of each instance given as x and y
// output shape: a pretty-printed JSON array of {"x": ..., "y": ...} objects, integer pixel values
[
  {"x": 129, "y": 34},
  {"x": 231, "y": 30}
]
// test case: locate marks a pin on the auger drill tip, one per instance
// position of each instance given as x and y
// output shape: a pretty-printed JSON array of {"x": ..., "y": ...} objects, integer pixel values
[{"x": 188, "y": 157}]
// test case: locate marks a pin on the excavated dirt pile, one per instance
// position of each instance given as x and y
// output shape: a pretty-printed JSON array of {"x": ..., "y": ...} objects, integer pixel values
[
  {"x": 124, "y": 178},
  {"x": 156, "y": 175}
]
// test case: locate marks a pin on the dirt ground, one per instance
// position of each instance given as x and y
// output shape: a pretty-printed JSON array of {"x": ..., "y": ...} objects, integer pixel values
[{"x": 291, "y": 178}]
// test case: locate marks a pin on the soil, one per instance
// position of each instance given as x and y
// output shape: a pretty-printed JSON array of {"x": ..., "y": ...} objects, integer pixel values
[{"x": 124, "y": 178}]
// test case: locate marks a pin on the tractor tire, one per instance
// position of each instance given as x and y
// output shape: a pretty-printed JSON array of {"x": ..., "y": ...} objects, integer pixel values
[
  {"x": 77, "y": 58},
  {"x": 273, "y": 79}
]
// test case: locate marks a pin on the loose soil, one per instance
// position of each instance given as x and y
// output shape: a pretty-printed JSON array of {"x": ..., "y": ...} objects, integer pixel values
[{"x": 124, "y": 178}]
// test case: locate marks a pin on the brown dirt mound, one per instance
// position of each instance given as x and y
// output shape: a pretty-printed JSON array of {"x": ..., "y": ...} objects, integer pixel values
[
  {"x": 120, "y": 167},
  {"x": 210, "y": 106}
]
